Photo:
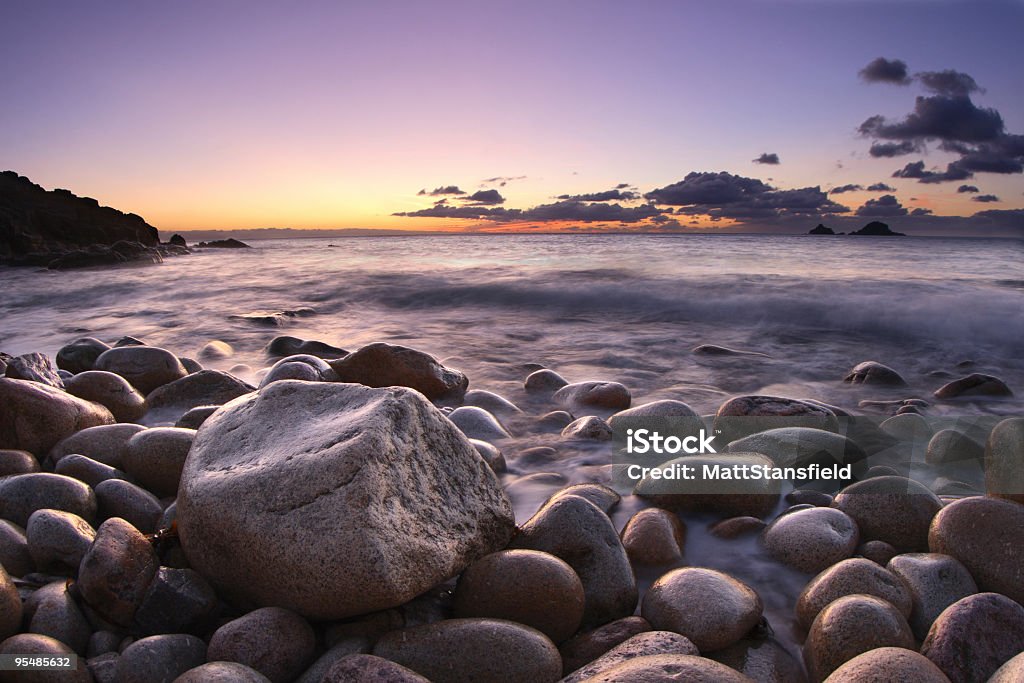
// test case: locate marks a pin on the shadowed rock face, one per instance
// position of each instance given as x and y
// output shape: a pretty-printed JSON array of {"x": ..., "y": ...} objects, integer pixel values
[{"x": 35, "y": 220}]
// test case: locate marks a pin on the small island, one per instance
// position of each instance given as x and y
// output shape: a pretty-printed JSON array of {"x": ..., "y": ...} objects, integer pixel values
[
  {"x": 820, "y": 229},
  {"x": 872, "y": 229}
]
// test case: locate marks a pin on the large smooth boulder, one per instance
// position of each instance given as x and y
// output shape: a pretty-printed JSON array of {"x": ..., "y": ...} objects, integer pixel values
[
  {"x": 105, "y": 443},
  {"x": 117, "y": 570},
  {"x": 729, "y": 497},
  {"x": 854, "y": 576},
  {"x": 335, "y": 499},
  {"x": 203, "y": 388},
  {"x": 812, "y": 539},
  {"x": 935, "y": 582},
  {"x": 889, "y": 664},
  {"x": 160, "y": 658},
  {"x": 35, "y": 416},
  {"x": 975, "y": 384},
  {"x": 80, "y": 355},
  {"x": 742, "y": 416},
  {"x": 601, "y": 395},
  {"x": 975, "y": 636},
  {"x": 145, "y": 367},
  {"x": 156, "y": 457},
  {"x": 873, "y": 372},
  {"x": 386, "y": 365},
  {"x": 112, "y": 391},
  {"x": 1004, "y": 460},
  {"x": 641, "y": 645},
  {"x": 23, "y": 494},
  {"x": 801, "y": 446},
  {"x": 896, "y": 510},
  {"x": 669, "y": 669},
  {"x": 274, "y": 641}
]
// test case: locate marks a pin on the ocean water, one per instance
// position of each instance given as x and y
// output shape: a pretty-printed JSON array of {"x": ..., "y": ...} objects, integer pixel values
[{"x": 624, "y": 308}]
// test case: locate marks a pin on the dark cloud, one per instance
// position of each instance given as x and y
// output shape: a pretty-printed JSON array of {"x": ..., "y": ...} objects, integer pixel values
[
  {"x": 948, "y": 82},
  {"x": 770, "y": 158},
  {"x": 885, "y": 206},
  {"x": 882, "y": 70},
  {"x": 985, "y": 198},
  {"x": 967, "y": 188},
  {"x": 921, "y": 212},
  {"x": 880, "y": 187},
  {"x": 939, "y": 117},
  {"x": 445, "y": 211},
  {"x": 846, "y": 188},
  {"x": 916, "y": 170},
  {"x": 622, "y": 186},
  {"x": 708, "y": 189},
  {"x": 486, "y": 197},
  {"x": 502, "y": 180},
  {"x": 894, "y": 149},
  {"x": 438, "y": 191},
  {"x": 616, "y": 194},
  {"x": 573, "y": 210}
]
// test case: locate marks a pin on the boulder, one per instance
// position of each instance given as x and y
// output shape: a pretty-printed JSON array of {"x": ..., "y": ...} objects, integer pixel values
[
  {"x": 222, "y": 672},
  {"x": 654, "y": 536},
  {"x": 935, "y": 582},
  {"x": 156, "y": 457},
  {"x": 718, "y": 495},
  {"x": 580, "y": 396},
  {"x": 742, "y": 416},
  {"x": 216, "y": 350},
  {"x": 34, "y": 367},
  {"x": 491, "y": 455},
  {"x": 80, "y": 355},
  {"x": 813, "y": 539},
  {"x": 975, "y": 636},
  {"x": 52, "y": 611},
  {"x": 87, "y": 470},
  {"x": 289, "y": 369},
  {"x": 112, "y": 391},
  {"x": 105, "y": 444},
  {"x": 686, "y": 420},
  {"x": 544, "y": 382},
  {"x": 1011, "y": 672},
  {"x": 975, "y": 384},
  {"x": 668, "y": 669},
  {"x": 134, "y": 504},
  {"x": 495, "y": 404},
  {"x": 588, "y": 646},
  {"x": 949, "y": 446},
  {"x": 345, "y": 648},
  {"x": 641, "y": 645},
  {"x": 289, "y": 346},
  {"x": 1004, "y": 460},
  {"x": 274, "y": 641},
  {"x": 203, "y": 388},
  {"x": 896, "y": 510},
  {"x": 57, "y": 541},
  {"x": 600, "y": 495},
  {"x": 854, "y": 576},
  {"x": 23, "y": 494},
  {"x": 873, "y": 372},
  {"x": 889, "y": 664},
  {"x": 116, "y": 571},
  {"x": 42, "y": 646},
  {"x": 195, "y": 417},
  {"x": 878, "y": 552},
  {"x": 386, "y": 365},
  {"x": 589, "y": 428},
  {"x": 176, "y": 601},
  {"x": 315, "y": 473},
  {"x": 477, "y": 423},
  {"x": 160, "y": 658},
  {"x": 145, "y": 367},
  {"x": 801, "y": 446},
  {"x": 14, "y": 553},
  {"x": 17, "y": 462},
  {"x": 36, "y": 416},
  {"x": 734, "y": 527}
]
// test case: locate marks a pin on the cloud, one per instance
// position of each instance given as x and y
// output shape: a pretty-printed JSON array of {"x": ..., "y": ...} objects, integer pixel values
[
  {"x": 770, "y": 158},
  {"x": 573, "y": 210},
  {"x": 948, "y": 82},
  {"x": 486, "y": 197},
  {"x": 605, "y": 196},
  {"x": 846, "y": 188},
  {"x": 985, "y": 198},
  {"x": 880, "y": 187},
  {"x": 438, "y": 191},
  {"x": 939, "y": 117},
  {"x": 502, "y": 180},
  {"x": 894, "y": 149},
  {"x": 885, "y": 206},
  {"x": 967, "y": 188},
  {"x": 445, "y": 211},
  {"x": 882, "y": 70},
  {"x": 916, "y": 170},
  {"x": 921, "y": 212}
]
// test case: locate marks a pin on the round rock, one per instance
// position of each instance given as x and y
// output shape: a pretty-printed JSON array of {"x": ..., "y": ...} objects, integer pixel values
[
  {"x": 38, "y": 416},
  {"x": 134, "y": 504},
  {"x": 160, "y": 659},
  {"x": 975, "y": 636},
  {"x": 87, "y": 470},
  {"x": 80, "y": 355},
  {"x": 477, "y": 423},
  {"x": 364, "y": 668},
  {"x": 1011, "y": 672},
  {"x": 14, "y": 554},
  {"x": 896, "y": 510},
  {"x": 544, "y": 381},
  {"x": 935, "y": 582},
  {"x": 1004, "y": 460},
  {"x": 589, "y": 428},
  {"x": 116, "y": 571},
  {"x": 274, "y": 641},
  {"x": 604, "y": 395},
  {"x": 17, "y": 462},
  {"x": 222, "y": 672},
  {"x": 669, "y": 669},
  {"x": 588, "y": 646},
  {"x": 654, "y": 537},
  {"x": 23, "y": 494},
  {"x": 889, "y": 664},
  {"x": 145, "y": 367},
  {"x": 156, "y": 457},
  {"x": 949, "y": 446},
  {"x": 813, "y": 539},
  {"x": 58, "y": 540},
  {"x": 853, "y": 576},
  {"x": 123, "y": 401},
  {"x": 873, "y": 372},
  {"x": 640, "y": 645},
  {"x": 43, "y": 646}
]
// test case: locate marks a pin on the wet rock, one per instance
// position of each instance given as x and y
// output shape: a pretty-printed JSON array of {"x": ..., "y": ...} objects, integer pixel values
[
  {"x": 57, "y": 541},
  {"x": 105, "y": 444},
  {"x": 134, "y": 504},
  {"x": 850, "y": 626},
  {"x": 87, "y": 470},
  {"x": 80, "y": 355},
  {"x": 878, "y": 552},
  {"x": 51, "y": 611},
  {"x": 155, "y": 458},
  {"x": 203, "y": 388},
  {"x": 23, "y": 494},
  {"x": 873, "y": 372},
  {"x": 667, "y": 668},
  {"x": 762, "y": 659},
  {"x": 1011, "y": 672},
  {"x": 17, "y": 462},
  {"x": 317, "y": 672},
  {"x": 760, "y": 413},
  {"x": 216, "y": 350},
  {"x": 975, "y": 636},
  {"x": 385, "y": 365},
  {"x": 537, "y": 456},
  {"x": 654, "y": 537},
  {"x": 116, "y": 571},
  {"x": 477, "y": 423},
  {"x": 888, "y": 664},
  {"x": 145, "y": 367},
  {"x": 896, "y": 510},
  {"x": 987, "y": 536},
  {"x": 14, "y": 554},
  {"x": 473, "y": 649},
  {"x": 34, "y": 367},
  {"x": 291, "y": 346},
  {"x": 525, "y": 586},
  {"x": 659, "y": 409},
  {"x": 367, "y": 668},
  {"x": 588, "y": 646},
  {"x": 288, "y": 369},
  {"x": 43, "y": 646},
  {"x": 491, "y": 455},
  {"x": 935, "y": 582},
  {"x": 577, "y": 531},
  {"x": 801, "y": 446},
  {"x": 222, "y": 672},
  {"x": 176, "y": 601},
  {"x": 850, "y": 577},
  {"x": 37, "y": 416},
  {"x": 728, "y": 497},
  {"x": 1004, "y": 460},
  {"x": 715, "y": 350},
  {"x": 583, "y": 395},
  {"x": 544, "y": 382},
  {"x": 492, "y": 403},
  {"x": 274, "y": 641},
  {"x": 975, "y": 384},
  {"x": 641, "y": 645},
  {"x": 813, "y": 539},
  {"x": 712, "y": 609},
  {"x": 10, "y": 606},
  {"x": 195, "y": 417},
  {"x": 590, "y": 428},
  {"x": 734, "y": 527},
  {"x": 329, "y": 521},
  {"x": 128, "y": 340},
  {"x": 556, "y": 420},
  {"x": 909, "y": 428},
  {"x": 160, "y": 659},
  {"x": 949, "y": 446},
  {"x": 112, "y": 391},
  {"x": 193, "y": 366},
  {"x": 600, "y": 495}
]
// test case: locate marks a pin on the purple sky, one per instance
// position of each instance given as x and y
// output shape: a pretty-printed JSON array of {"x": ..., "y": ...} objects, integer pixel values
[{"x": 236, "y": 114}]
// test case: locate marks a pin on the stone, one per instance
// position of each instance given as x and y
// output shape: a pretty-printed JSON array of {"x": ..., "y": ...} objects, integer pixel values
[
  {"x": 80, "y": 355},
  {"x": 603, "y": 395},
  {"x": 203, "y": 388},
  {"x": 809, "y": 497},
  {"x": 315, "y": 469},
  {"x": 160, "y": 659},
  {"x": 544, "y": 382},
  {"x": 577, "y": 531},
  {"x": 711, "y": 608},
  {"x": 176, "y": 601},
  {"x": 291, "y": 370},
  {"x": 1011, "y": 672},
  {"x": 42, "y": 646},
  {"x": 726, "y": 497},
  {"x": 660, "y": 409},
  {"x": 896, "y": 510},
  {"x": 716, "y": 350},
  {"x": 477, "y": 423},
  {"x": 116, "y": 571},
  {"x": 588, "y": 646},
  {"x": 102, "y": 642},
  {"x": 366, "y": 668},
  {"x": 850, "y": 626},
  {"x": 291, "y": 346},
  {"x": 935, "y": 582},
  {"x": 384, "y": 365},
  {"x": 641, "y": 645},
  {"x": 17, "y": 462},
  {"x": 58, "y": 540},
  {"x": 23, "y": 494},
  {"x": 525, "y": 586},
  {"x": 53, "y": 612},
  {"x": 216, "y": 350},
  {"x": 949, "y": 446},
  {"x": 975, "y": 384},
  {"x": 10, "y": 606},
  {"x": 193, "y": 366},
  {"x": 456, "y": 650},
  {"x": 760, "y": 413},
  {"x": 37, "y": 416},
  {"x": 987, "y": 536},
  {"x": 763, "y": 659},
  {"x": 854, "y": 576},
  {"x": 600, "y": 495},
  {"x": 346, "y": 647},
  {"x": 889, "y": 664},
  {"x": 556, "y": 420},
  {"x": 654, "y": 537},
  {"x": 145, "y": 367},
  {"x": 155, "y": 458},
  {"x": 195, "y": 417},
  {"x": 909, "y": 428},
  {"x": 669, "y": 668},
  {"x": 14, "y": 553},
  {"x": 495, "y": 404},
  {"x": 975, "y": 636},
  {"x": 589, "y": 428},
  {"x": 801, "y": 446},
  {"x": 812, "y": 540},
  {"x": 538, "y": 456},
  {"x": 274, "y": 641},
  {"x": 873, "y": 372},
  {"x": 734, "y": 527},
  {"x": 222, "y": 672},
  {"x": 1004, "y": 460},
  {"x": 491, "y": 455},
  {"x": 112, "y": 391},
  {"x": 34, "y": 367},
  {"x": 134, "y": 504},
  {"x": 878, "y": 552},
  {"x": 87, "y": 470},
  {"x": 105, "y": 444}
]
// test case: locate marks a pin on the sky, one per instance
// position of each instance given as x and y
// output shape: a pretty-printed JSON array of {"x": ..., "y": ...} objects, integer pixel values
[{"x": 735, "y": 115}]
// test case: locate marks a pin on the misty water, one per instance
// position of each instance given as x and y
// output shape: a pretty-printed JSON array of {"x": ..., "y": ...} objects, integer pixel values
[{"x": 623, "y": 308}]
